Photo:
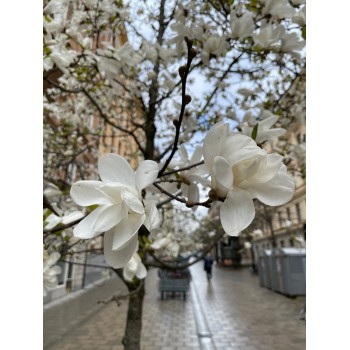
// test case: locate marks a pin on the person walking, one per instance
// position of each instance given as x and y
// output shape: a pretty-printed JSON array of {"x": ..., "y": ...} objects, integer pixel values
[{"x": 208, "y": 263}]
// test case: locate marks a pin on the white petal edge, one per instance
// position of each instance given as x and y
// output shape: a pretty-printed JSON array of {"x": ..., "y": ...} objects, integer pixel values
[
  {"x": 87, "y": 193},
  {"x": 278, "y": 191},
  {"x": 146, "y": 174},
  {"x": 126, "y": 229},
  {"x": 141, "y": 272},
  {"x": 152, "y": 220},
  {"x": 237, "y": 212},
  {"x": 118, "y": 258},
  {"x": 213, "y": 142},
  {"x": 132, "y": 201},
  {"x": 114, "y": 168},
  {"x": 223, "y": 176},
  {"x": 84, "y": 229},
  {"x": 108, "y": 218}
]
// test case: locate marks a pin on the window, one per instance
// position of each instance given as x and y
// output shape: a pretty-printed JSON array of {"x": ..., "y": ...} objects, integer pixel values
[
  {"x": 297, "y": 208},
  {"x": 60, "y": 277},
  {"x": 280, "y": 218},
  {"x": 288, "y": 214}
]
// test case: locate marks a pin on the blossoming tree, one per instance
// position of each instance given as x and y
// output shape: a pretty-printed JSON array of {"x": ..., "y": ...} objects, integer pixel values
[{"x": 197, "y": 90}]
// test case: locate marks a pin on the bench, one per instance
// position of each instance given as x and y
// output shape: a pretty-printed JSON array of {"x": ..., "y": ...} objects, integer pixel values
[{"x": 174, "y": 282}]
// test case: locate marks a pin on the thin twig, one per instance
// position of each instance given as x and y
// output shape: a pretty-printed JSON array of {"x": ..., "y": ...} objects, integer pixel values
[{"x": 184, "y": 102}]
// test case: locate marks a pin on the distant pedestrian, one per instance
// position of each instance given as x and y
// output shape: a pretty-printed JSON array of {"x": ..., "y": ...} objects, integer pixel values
[{"x": 208, "y": 262}]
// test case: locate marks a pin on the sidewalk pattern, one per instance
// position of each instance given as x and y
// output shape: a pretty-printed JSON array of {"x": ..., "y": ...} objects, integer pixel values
[{"x": 239, "y": 313}]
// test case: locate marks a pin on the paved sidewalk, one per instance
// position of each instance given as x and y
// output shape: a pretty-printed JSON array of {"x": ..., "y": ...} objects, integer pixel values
[{"x": 233, "y": 309}]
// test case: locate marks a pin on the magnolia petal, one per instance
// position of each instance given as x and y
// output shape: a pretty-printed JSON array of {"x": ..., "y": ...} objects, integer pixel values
[
  {"x": 126, "y": 229},
  {"x": 197, "y": 155},
  {"x": 222, "y": 173},
  {"x": 183, "y": 153},
  {"x": 213, "y": 142},
  {"x": 160, "y": 243},
  {"x": 54, "y": 257},
  {"x": 85, "y": 229},
  {"x": 197, "y": 178},
  {"x": 128, "y": 274},
  {"x": 237, "y": 212},
  {"x": 87, "y": 193},
  {"x": 152, "y": 216},
  {"x": 267, "y": 122},
  {"x": 132, "y": 201},
  {"x": 146, "y": 174},
  {"x": 114, "y": 168},
  {"x": 236, "y": 143},
  {"x": 75, "y": 215},
  {"x": 267, "y": 170},
  {"x": 279, "y": 190},
  {"x": 118, "y": 258},
  {"x": 108, "y": 218},
  {"x": 141, "y": 271},
  {"x": 52, "y": 221},
  {"x": 193, "y": 193},
  {"x": 269, "y": 134},
  {"x": 243, "y": 154}
]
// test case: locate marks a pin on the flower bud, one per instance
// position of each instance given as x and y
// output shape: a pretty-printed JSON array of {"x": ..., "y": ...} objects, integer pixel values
[
  {"x": 187, "y": 99},
  {"x": 182, "y": 71},
  {"x": 175, "y": 122},
  {"x": 193, "y": 53}
]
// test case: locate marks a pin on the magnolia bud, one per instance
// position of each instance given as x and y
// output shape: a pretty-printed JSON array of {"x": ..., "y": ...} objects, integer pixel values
[
  {"x": 182, "y": 71},
  {"x": 193, "y": 53},
  {"x": 187, "y": 99},
  {"x": 175, "y": 122}
]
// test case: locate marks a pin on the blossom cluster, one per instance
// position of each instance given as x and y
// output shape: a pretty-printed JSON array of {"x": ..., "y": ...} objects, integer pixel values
[{"x": 239, "y": 169}]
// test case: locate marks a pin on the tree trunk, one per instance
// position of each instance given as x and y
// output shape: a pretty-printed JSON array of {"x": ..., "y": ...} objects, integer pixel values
[{"x": 132, "y": 336}]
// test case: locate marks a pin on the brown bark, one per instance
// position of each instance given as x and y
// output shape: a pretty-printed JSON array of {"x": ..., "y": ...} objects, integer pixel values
[{"x": 132, "y": 336}]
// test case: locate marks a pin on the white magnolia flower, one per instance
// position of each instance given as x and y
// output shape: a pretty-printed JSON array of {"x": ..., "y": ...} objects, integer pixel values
[
  {"x": 161, "y": 242},
  {"x": 121, "y": 211},
  {"x": 268, "y": 36},
  {"x": 181, "y": 31},
  {"x": 265, "y": 133},
  {"x": 214, "y": 45},
  {"x": 62, "y": 57},
  {"x": 50, "y": 271},
  {"x": 127, "y": 55},
  {"x": 300, "y": 17},
  {"x": 242, "y": 27},
  {"x": 291, "y": 42},
  {"x": 246, "y": 92},
  {"x": 189, "y": 188},
  {"x": 279, "y": 8},
  {"x": 52, "y": 190},
  {"x": 53, "y": 220},
  {"x": 166, "y": 245},
  {"x": 247, "y": 245},
  {"x": 241, "y": 171},
  {"x": 134, "y": 268}
]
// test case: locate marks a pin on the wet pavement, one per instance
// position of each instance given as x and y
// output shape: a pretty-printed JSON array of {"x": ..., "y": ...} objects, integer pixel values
[{"x": 231, "y": 311}]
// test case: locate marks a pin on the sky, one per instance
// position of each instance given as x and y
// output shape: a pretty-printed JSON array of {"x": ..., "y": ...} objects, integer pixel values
[{"x": 328, "y": 125}]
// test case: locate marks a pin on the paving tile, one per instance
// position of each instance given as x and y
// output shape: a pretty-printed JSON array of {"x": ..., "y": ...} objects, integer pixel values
[{"x": 240, "y": 315}]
